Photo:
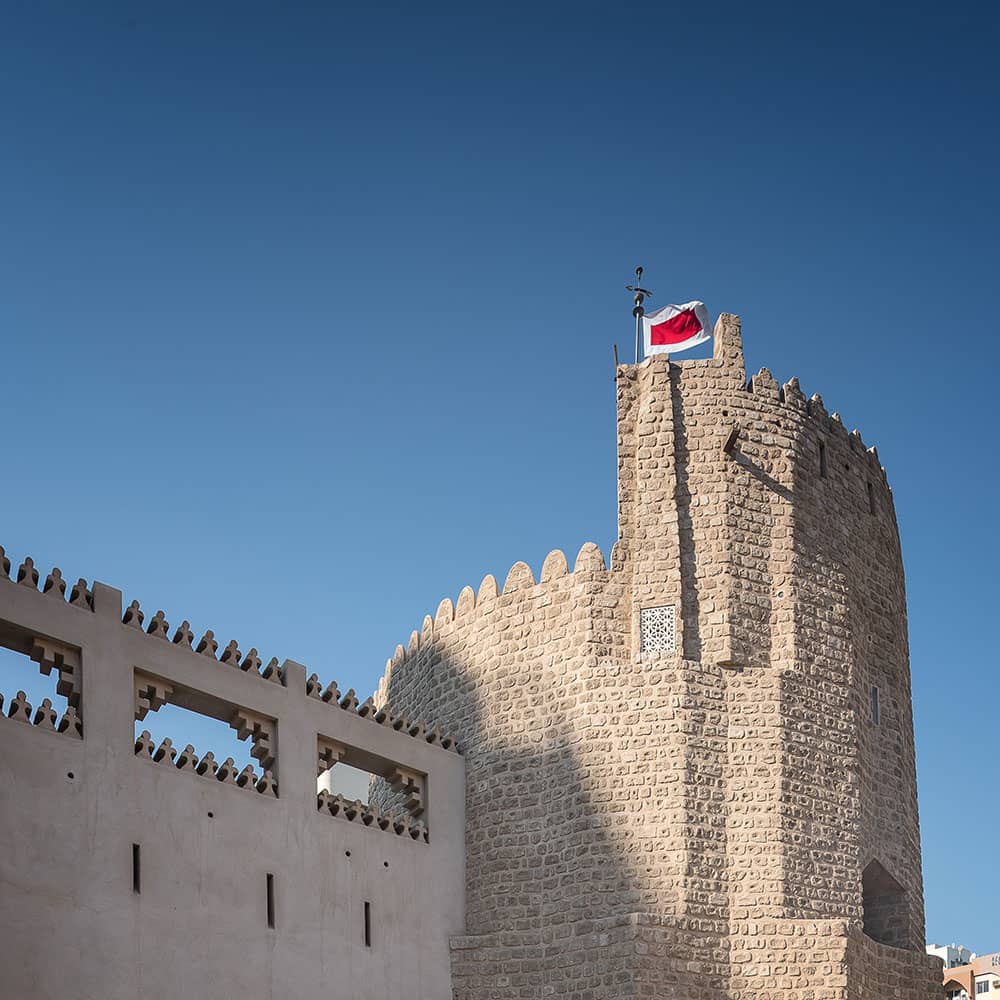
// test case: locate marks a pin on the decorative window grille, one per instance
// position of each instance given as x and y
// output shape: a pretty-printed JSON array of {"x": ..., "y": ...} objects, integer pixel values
[{"x": 657, "y": 630}]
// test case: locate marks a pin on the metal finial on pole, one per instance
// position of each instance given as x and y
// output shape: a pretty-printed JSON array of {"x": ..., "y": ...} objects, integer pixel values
[{"x": 638, "y": 312}]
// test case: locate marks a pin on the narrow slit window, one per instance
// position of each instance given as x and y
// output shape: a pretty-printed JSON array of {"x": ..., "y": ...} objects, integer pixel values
[
  {"x": 368, "y": 924},
  {"x": 876, "y": 707},
  {"x": 270, "y": 901},
  {"x": 136, "y": 870},
  {"x": 822, "y": 461},
  {"x": 871, "y": 499}
]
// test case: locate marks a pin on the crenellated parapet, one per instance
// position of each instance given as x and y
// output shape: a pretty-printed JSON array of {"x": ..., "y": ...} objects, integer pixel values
[
  {"x": 205, "y": 766},
  {"x": 472, "y": 605},
  {"x": 368, "y": 815},
  {"x": 207, "y": 646},
  {"x": 164, "y": 666}
]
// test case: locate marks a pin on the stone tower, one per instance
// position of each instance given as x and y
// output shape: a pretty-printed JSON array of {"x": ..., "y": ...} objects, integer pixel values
[{"x": 691, "y": 774}]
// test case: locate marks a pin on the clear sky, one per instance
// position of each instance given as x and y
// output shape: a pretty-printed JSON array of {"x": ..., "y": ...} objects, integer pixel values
[{"x": 308, "y": 309}]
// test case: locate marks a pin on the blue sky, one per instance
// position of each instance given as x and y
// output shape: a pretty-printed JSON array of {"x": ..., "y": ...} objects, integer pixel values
[{"x": 308, "y": 311}]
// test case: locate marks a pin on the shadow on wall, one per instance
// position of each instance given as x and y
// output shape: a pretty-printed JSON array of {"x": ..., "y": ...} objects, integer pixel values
[
  {"x": 690, "y": 608},
  {"x": 886, "y": 908},
  {"x": 539, "y": 850},
  {"x": 537, "y": 843}
]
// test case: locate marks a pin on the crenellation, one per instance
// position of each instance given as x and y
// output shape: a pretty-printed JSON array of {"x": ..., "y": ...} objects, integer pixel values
[
  {"x": 184, "y": 637},
  {"x": 466, "y": 602},
  {"x": 207, "y": 766},
  {"x": 250, "y": 664},
  {"x": 158, "y": 626},
  {"x": 81, "y": 596},
  {"x": 226, "y": 772},
  {"x": 45, "y": 715},
  {"x": 487, "y": 590},
  {"x": 554, "y": 567},
  {"x": 27, "y": 575},
  {"x": 231, "y": 655},
  {"x": 272, "y": 672},
  {"x": 765, "y": 385},
  {"x": 266, "y": 785},
  {"x": 166, "y": 752},
  {"x": 144, "y": 744},
  {"x": 187, "y": 759},
  {"x": 20, "y": 708},
  {"x": 247, "y": 778},
  {"x": 133, "y": 616},
  {"x": 207, "y": 645},
  {"x": 331, "y": 693},
  {"x": 519, "y": 577},
  {"x": 55, "y": 585}
]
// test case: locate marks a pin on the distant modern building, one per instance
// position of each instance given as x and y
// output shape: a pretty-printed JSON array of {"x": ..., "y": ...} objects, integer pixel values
[
  {"x": 951, "y": 954},
  {"x": 975, "y": 979}
]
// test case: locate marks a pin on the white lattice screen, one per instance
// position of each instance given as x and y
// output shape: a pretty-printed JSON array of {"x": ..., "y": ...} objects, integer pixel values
[{"x": 657, "y": 630}]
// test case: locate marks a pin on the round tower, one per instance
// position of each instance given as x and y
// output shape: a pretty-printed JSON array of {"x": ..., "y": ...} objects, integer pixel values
[{"x": 691, "y": 773}]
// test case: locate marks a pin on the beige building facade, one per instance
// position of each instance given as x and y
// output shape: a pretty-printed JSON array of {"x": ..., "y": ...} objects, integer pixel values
[
  {"x": 979, "y": 977},
  {"x": 685, "y": 772}
]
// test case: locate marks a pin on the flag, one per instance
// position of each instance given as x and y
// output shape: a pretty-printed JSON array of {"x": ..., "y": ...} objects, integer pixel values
[{"x": 675, "y": 328}]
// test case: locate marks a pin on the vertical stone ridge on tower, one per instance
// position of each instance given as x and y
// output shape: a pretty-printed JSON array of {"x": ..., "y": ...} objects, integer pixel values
[{"x": 692, "y": 773}]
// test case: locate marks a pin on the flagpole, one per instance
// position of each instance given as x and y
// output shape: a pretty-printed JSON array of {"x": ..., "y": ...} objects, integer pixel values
[{"x": 638, "y": 312}]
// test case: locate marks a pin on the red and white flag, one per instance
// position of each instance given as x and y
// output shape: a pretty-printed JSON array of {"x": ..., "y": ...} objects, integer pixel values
[{"x": 675, "y": 328}]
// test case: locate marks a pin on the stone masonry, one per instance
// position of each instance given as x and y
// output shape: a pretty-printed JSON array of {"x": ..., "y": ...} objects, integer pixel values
[{"x": 691, "y": 774}]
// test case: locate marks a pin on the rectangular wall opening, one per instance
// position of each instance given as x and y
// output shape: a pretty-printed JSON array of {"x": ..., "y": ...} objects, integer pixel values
[
  {"x": 195, "y": 731},
  {"x": 40, "y": 680},
  {"x": 822, "y": 461},
  {"x": 387, "y": 791},
  {"x": 270, "y": 901},
  {"x": 368, "y": 924},
  {"x": 871, "y": 499},
  {"x": 183, "y": 726},
  {"x": 876, "y": 707},
  {"x": 136, "y": 870}
]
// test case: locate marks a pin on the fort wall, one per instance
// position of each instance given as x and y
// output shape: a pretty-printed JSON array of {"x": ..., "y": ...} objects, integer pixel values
[{"x": 132, "y": 870}]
